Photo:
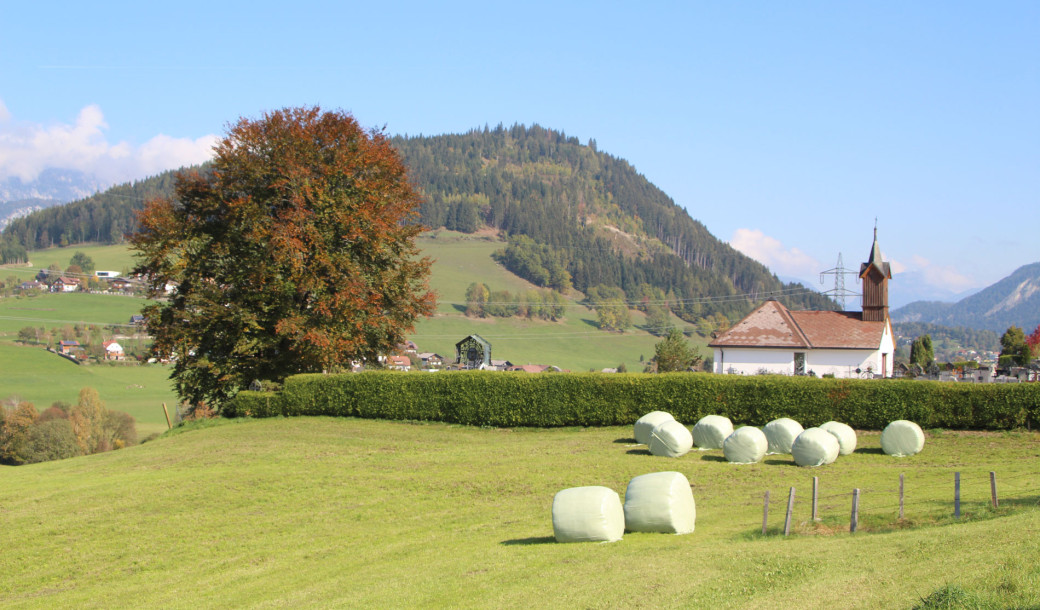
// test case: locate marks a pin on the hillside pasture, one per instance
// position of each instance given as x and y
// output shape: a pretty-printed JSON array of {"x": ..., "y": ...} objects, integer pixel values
[
  {"x": 31, "y": 373},
  {"x": 574, "y": 343},
  {"x": 327, "y": 512}
]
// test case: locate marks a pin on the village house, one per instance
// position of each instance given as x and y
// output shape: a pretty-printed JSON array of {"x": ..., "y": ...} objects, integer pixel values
[
  {"x": 398, "y": 363},
  {"x": 775, "y": 340},
  {"x": 114, "y": 351},
  {"x": 120, "y": 284},
  {"x": 431, "y": 360},
  {"x": 65, "y": 284},
  {"x": 32, "y": 285}
]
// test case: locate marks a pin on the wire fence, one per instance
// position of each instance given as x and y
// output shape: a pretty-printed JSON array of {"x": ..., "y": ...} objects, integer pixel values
[{"x": 909, "y": 500}]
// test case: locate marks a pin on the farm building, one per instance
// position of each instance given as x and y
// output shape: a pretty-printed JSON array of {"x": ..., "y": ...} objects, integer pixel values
[
  {"x": 473, "y": 352},
  {"x": 773, "y": 339}
]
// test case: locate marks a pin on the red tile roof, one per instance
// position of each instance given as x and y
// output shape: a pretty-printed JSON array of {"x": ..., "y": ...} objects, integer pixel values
[{"x": 773, "y": 325}]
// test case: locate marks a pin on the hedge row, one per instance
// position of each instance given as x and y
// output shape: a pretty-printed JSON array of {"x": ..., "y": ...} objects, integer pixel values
[{"x": 592, "y": 399}]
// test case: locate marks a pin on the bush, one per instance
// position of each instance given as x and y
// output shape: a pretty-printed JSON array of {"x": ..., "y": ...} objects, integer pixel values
[
  {"x": 52, "y": 439},
  {"x": 590, "y": 399}
]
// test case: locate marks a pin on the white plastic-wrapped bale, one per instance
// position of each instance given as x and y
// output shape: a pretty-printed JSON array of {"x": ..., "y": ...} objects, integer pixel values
[
  {"x": 660, "y": 502},
  {"x": 844, "y": 433},
  {"x": 815, "y": 447},
  {"x": 670, "y": 439},
  {"x": 711, "y": 430},
  {"x": 747, "y": 445},
  {"x": 588, "y": 514},
  {"x": 902, "y": 438},
  {"x": 781, "y": 434},
  {"x": 646, "y": 424}
]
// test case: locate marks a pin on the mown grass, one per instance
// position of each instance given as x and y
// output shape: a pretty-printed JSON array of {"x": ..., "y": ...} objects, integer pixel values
[{"x": 342, "y": 512}]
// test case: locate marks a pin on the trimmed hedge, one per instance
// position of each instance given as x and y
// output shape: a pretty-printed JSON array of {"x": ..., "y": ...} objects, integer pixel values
[{"x": 592, "y": 399}]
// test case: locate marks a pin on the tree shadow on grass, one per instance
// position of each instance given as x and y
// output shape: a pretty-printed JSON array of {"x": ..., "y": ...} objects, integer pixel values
[{"x": 529, "y": 541}]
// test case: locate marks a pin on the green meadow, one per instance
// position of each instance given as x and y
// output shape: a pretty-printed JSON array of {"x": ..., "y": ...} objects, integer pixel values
[
  {"x": 30, "y": 373},
  {"x": 323, "y": 512}
]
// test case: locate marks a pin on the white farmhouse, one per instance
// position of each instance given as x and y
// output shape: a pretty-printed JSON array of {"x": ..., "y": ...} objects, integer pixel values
[{"x": 774, "y": 339}]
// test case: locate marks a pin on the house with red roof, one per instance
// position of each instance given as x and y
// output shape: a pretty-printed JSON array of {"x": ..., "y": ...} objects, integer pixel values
[{"x": 775, "y": 340}]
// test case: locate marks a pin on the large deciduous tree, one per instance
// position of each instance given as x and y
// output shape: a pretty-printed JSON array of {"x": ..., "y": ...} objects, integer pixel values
[{"x": 294, "y": 254}]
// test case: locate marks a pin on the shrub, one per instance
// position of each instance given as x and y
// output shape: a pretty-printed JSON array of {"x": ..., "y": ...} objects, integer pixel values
[
  {"x": 53, "y": 439},
  {"x": 592, "y": 399}
]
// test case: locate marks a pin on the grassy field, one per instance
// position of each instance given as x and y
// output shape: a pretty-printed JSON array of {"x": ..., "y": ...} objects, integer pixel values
[
  {"x": 575, "y": 343},
  {"x": 30, "y": 373},
  {"x": 325, "y": 512}
]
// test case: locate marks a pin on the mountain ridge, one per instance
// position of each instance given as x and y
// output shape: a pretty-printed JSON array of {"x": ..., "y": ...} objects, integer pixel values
[
  {"x": 581, "y": 217},
  {"x": 1012, "y": 301}
]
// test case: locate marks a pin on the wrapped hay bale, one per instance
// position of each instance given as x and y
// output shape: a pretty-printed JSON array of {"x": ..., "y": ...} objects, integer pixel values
[
  {"x": 588, "y": 514},
  {"x": 710, "y": 431},
  {"x": 660, "y": 502},
  {"x": 844, "y": 433},
  {"x": 902, "y": 438},
  {"x": 781, "y": 434},
  {"x": 747, "y": 445},
  {"x": 670, "y": 439},
  {"x": 815, "y": 447},
  {"x": 646, "y": 424}
]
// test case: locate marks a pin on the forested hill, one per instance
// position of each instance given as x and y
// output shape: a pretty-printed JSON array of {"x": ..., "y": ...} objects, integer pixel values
[
  {"x": 104, "y": 218},
  {"x": 575, "y": 217},
  {"x": 569, "y": 206}
]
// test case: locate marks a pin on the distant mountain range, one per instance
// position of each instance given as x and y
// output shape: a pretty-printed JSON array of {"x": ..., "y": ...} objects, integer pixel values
[
  {"x": 1013, "y": 301},
  {"x": 52, "y": 187}
]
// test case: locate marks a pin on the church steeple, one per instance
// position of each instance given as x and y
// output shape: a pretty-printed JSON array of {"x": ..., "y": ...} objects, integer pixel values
[{"x": 875, "y": 274}]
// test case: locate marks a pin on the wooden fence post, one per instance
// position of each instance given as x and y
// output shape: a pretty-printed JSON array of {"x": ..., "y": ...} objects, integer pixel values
[
  {"x": 993, "y": 488},
  {"x": 815, "y": 498},
  {"x": 855, "y": 511},
  {"x": 168, "y": 424},
  {"x": 790, "y": 509},
  {"x": 765, "y": 513},
  {"x": 957, "y": 495}
]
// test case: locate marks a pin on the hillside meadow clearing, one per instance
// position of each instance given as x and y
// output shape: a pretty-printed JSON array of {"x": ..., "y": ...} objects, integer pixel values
[
  {"x": 30, "y": 373},
  {"x": 325, "y": 512}
]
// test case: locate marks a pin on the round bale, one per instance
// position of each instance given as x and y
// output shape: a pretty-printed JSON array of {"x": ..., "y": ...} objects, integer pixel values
[
  {"x": 710, "y": 431},
  {"x": 902, "y": 438},
  {"x": 660, "y": 502},
  {"x": 588, "y": 514},
  {"x": 670, "y": 439},
  {"x": 747, "y": 445},
  {"x": 844, "y": 433},
  {"x": 815, "y": 447},
  {"x": 781, "y": 434},
  {"x": 646, "y": 424}
]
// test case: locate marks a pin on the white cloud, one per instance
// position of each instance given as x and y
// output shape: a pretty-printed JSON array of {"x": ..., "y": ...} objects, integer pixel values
[
  {"x": 26, "y": 149},
  {"x": 773, "y": 254},
  {"x": 945, "y": 277}
]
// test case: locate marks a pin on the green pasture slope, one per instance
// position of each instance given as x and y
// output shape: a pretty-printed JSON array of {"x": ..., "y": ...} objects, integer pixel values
[
  {"x": 575, "y": 343},
  {"x": 30, "y": 373},
  {"x": 320, "y": 512}
]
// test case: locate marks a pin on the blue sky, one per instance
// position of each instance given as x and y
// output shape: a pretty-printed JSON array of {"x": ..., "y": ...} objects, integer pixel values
[{"x": 785, "y": 127}]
